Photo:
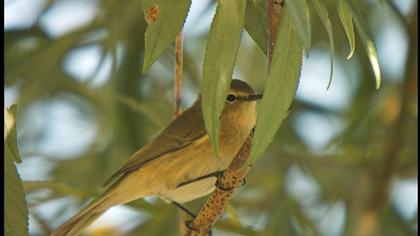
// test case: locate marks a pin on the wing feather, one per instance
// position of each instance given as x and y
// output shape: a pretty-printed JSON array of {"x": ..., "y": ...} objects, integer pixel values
[{"x": 184, "y": 130}]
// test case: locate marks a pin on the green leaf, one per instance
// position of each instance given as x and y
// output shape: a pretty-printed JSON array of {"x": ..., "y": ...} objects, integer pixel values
[
  {"x": 299, "y": 12},
  {"x": 367, "y": 41},
  {"x": 10, "y": 132},
  {"x": 219, "y": 61},
  {"x": 280, "y": 87},
  {"x": 165, "y": 19},
  {"x": 16, "y": 212},
  {"x": 347, "y": 21},
  {"x": 322, "y": 12},
  {"x": 256, "y": 22}
]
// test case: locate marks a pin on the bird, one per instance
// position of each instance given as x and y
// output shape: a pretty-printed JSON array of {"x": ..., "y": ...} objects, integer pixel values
[{"x": 178, "y": 165}]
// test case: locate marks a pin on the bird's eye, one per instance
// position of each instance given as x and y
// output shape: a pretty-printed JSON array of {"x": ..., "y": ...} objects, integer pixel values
[{"x": 231, "y": 98}]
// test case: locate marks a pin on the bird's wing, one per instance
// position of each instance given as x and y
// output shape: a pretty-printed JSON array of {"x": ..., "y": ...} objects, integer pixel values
[{"x": 184, "y": 130}]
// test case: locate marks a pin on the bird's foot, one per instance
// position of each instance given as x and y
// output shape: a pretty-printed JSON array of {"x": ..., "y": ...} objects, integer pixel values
[
  {"x": 219, "y": 185},
  {"x": 188, "y": 224}
]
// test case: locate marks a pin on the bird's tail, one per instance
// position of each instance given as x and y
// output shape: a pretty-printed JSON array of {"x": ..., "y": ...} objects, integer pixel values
[{"x": 75, "y": 225}]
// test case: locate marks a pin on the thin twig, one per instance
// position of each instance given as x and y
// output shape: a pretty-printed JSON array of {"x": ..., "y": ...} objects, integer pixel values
[
  {"x": 274, "y": 11},
  {"x": 232, "y": 178},
  {"x": 179, "y": 66},
  {"x": 178, "y": 73}
]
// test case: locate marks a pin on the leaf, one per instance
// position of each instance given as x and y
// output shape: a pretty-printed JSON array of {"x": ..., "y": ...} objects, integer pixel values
[
  {"x": 219, "y": 61},
  {"x": 322, "y": 12},
  {"x": 16, "y": 212},
  {"x": 301, "y": 18},
  {"x": 165, "y": 19},
  {"x": 256, "y": 22},
  {"x": 367, "y": 41},
  {"x": 345, "y": 17},
  {"x": 10, "y": 132},
  {"x": 280, "y": 87}
]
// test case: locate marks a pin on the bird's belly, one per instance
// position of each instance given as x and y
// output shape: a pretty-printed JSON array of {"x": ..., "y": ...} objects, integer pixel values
[
  {"x": 190, "y": 191},
  {"x": 194, "y": 162}
]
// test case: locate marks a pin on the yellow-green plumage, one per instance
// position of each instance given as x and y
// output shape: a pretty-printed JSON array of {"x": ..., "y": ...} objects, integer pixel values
[{"x": 181, "y": 153}]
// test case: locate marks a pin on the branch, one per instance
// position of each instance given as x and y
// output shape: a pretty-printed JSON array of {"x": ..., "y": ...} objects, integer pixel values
[
  {"x": 234, "y": 175},
  {"x": 274, "y": 11},
  {"x": 179, "y": 67},
  {"x": 178, "y": 73},
  {"x": 228, "y": 183}
]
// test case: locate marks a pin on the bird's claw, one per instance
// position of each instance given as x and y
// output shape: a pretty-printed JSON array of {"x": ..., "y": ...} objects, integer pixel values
[
  {"x": 188, "y": 224},
  {"x": 218, "y": 184},
  {"x": 243, "y": 182}
]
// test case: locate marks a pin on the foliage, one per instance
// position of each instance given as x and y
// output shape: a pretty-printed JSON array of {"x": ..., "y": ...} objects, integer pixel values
[
  {"x": 281, "y": 85},
  {"x": 374, "y": 145},
  {"x": 15, "y": 213},
  {"x": 165, "y": 19},
  {"x": 219, "y": 61}
]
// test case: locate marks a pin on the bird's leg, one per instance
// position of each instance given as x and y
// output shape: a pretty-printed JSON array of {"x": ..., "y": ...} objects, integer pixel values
[
  {"x": 213, "y": 174},
  {"x": 219, "y": 186},
  {"x": 217, "y": 174},
  {"x": 219, "y": 179},
  {"x": 188, "y": 223},
  {"x": 184, "y": 209}
]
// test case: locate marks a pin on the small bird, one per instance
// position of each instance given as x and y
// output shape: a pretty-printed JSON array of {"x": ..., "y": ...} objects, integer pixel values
[{"x": 178, "y": 165}]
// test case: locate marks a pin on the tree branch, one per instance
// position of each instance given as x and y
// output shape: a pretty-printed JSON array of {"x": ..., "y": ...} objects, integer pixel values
[
  {"x": 178, "y": 73},
  {"x": 234, "y": 175},
  {"x": 274, "y": 11},
  {"x": 179, "y": 68},
  {"x": 228, "y": 183}
]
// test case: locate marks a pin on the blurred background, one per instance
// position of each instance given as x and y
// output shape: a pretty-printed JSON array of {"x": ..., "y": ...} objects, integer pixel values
[{"x": 343, "y": 163}]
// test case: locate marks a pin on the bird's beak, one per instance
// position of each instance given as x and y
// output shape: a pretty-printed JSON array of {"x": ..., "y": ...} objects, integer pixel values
[{"x": 254, "y": 97}]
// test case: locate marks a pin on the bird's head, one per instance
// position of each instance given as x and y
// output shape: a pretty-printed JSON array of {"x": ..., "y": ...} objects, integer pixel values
[{"x": 241, "y": 102}]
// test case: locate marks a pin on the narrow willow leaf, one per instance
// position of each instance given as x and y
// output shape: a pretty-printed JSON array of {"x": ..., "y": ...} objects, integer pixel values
[
  {"x": 322, "y": 12},
  {"x": 256, "y": 22},
  {"x": 165, "y": 19},
  {"x": 299, "y": 12},
  {"x": 219, "y": 61},
  {"x": 15, "y": 212},
  {"x": 347, "y": 21},
  {"x": 10, "y": 132},
  {"x": 367, "y": 41},
  {"x": 280, "y": 87}
]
